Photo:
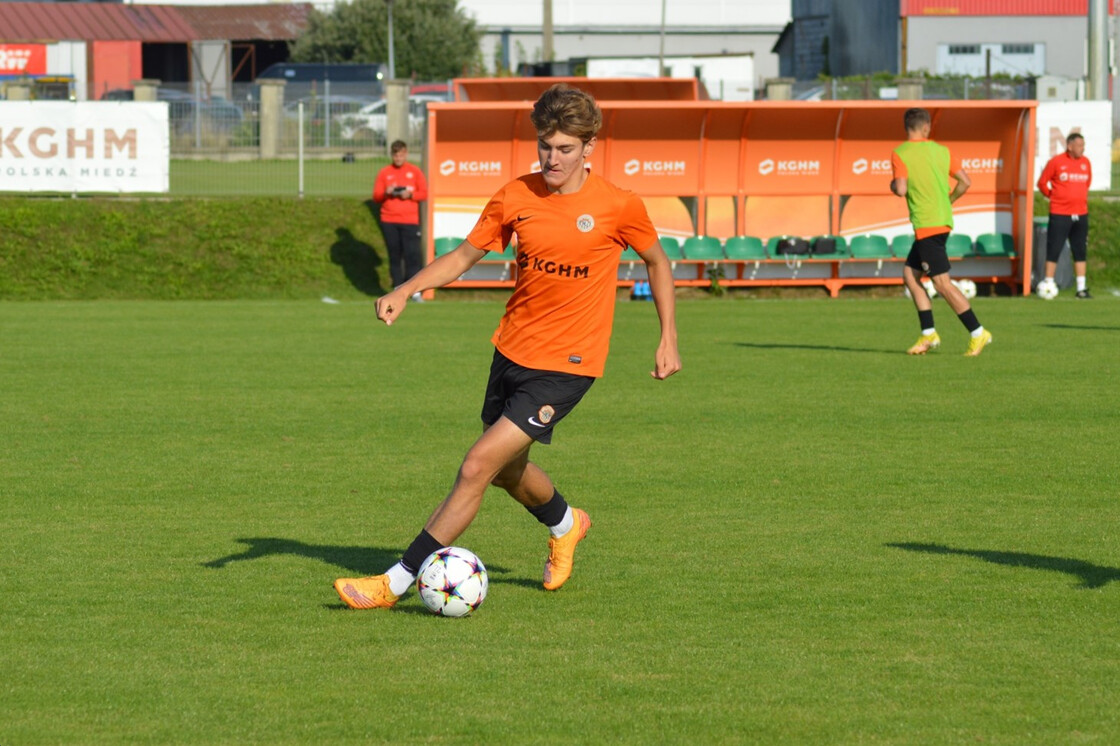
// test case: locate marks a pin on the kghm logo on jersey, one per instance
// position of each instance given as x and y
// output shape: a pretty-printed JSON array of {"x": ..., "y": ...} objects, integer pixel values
[
  {"x": 585, "y": 223},
  {"x": 526, "y": 263},
  {"x": 789, "y": 167}
]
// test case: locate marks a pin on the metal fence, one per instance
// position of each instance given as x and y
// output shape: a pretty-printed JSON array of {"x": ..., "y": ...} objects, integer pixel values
[
  {"x": 881, "y": 88},
  {"x": 333, "y": 138}
]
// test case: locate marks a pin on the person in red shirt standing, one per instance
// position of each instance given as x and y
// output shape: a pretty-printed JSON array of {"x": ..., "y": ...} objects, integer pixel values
[
  {"x": 551, "y": 344},
  {"x": 1065, "y": 182},
  {"x": 400, "y": 188}
]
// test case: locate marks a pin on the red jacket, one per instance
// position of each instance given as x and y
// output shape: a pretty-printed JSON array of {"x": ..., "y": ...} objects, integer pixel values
[
  {"x": 394, "y": 209},
  {"x": 1066, "y": 182}
]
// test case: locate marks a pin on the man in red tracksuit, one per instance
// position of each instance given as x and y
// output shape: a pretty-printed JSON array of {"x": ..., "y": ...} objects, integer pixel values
[
  {"x": 1065, "y": 182},
  {"x": 400, "y": 188}
]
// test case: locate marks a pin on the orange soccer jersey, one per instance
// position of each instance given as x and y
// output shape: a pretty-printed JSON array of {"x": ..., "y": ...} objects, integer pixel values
[{"x": 560, "y": 314}]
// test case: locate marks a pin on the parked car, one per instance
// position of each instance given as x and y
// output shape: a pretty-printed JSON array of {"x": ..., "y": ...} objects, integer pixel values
[
  {"x": 218, "y": 114},
  {"x": 315, "y": 107},
  {"x": 372, "y": 119}
]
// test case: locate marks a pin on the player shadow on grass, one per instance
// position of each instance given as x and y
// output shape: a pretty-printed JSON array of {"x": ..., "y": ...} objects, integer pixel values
[
  {"x": 353, "y": 560},
  {"x": 1083, "y": 327},
  {"x": 824, "y": 348},
  {"x": 1090, "y": 575},
  {"x": 359, "y": 262}
]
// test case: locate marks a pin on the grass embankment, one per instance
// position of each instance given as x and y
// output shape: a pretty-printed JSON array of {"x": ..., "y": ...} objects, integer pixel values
[
  {"x": 258, "y": 247},
  {"x": 251, "y": 247}
]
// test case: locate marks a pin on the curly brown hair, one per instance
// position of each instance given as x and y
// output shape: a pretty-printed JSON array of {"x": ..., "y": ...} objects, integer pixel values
[{"x": 567, "y": 110}]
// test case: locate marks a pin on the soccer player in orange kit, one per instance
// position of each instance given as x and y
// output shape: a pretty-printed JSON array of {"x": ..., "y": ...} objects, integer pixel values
[{"x": 551, "y": 343}]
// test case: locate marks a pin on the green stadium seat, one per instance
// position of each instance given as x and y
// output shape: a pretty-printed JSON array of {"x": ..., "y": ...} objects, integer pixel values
[
  {"x": 901, "y": 245},
  {"x": 447, "y": 244},
  {"x": 958, "y": 245},
  {"x": 995, "y": 244},
  {"x": 870, "y": 247},
  {"x": 840, "y": 252},
  {"x": 744, "y": 248},
  {"x": 706, "y": 248},
  {"x": 672, "y": 247}
]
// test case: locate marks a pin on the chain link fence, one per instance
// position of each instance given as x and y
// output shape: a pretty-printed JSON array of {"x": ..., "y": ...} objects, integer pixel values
[
  {"x": 333, "y": 139},
  {"x": 874, "y": 88}
]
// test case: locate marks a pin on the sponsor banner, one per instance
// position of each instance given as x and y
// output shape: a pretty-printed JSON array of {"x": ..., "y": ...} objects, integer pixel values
[
  {"x": 23, "y": 59},
  {"x": 864, "y": 166},
  {"x": 98, "y": 146},
  {"x": 656, "y": 167},
  {"x": 1056, "y": 120},
  {"x": 470, "y": 168},
  {"x": 788, "y": 166}
]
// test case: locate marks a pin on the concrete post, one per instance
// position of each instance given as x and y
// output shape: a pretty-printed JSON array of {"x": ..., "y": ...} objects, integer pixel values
[
  {"x": 272, "y": 115},
  {"x": 145, "y": 89},
  {"x": 18, "y": 90},
  {"x": 779, "y": 89},
  {"x": 396, "y": 112},
  {"x": 910, "y": 89}
]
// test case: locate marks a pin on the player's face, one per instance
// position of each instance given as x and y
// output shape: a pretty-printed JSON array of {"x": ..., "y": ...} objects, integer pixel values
[
  {"x": 1076, "y": 147},
  {"x": 562, "y": 158},
  {"x": 400, "y": 157}
]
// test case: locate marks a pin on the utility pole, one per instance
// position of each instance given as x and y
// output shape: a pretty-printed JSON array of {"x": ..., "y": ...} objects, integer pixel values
[
  {"x": 392, "y": 62},
  {"x": 1098, "y": 50},
  {"x": 661, "y": 49},
  {"x": 547, "y": 52}
]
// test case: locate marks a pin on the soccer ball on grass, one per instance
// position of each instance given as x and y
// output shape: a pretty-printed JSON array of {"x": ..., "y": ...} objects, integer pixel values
[
  {"x": 967, "y": 288},
  {"x": 452, "y": 581},
  {"x": 1047, "y": 290}
]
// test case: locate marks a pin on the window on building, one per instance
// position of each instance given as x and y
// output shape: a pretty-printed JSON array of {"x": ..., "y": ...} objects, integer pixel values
[
  {"x": 964, "y": 49},
  {"x": 1018, "y": 48}
]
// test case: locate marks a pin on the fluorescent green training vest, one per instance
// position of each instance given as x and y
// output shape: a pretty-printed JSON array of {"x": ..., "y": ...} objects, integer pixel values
[{"x": 927, "y": 183}]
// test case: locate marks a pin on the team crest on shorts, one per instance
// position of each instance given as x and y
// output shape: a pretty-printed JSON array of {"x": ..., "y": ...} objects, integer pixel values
[
  {"x": 544, "y": 414},
  {"x": 585, "y": 223},
  {"x": 925, "y": 266}
]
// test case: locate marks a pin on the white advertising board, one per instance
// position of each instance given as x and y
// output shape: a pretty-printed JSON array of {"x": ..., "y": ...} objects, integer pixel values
[
  {"x": 84, "y": 147},
  {"x": 1056, "y": 120}
]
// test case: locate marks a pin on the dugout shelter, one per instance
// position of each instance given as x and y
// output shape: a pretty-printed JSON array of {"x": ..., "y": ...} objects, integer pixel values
[{"x": 732, "y": 187}]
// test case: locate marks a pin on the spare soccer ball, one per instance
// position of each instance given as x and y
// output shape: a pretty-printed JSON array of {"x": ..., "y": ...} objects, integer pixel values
[
  {"x": 931, "y": 291},
  {"x": 452, "y": 582},
  {"x": 967, "y": 288},
  {"x": 1047, "y": 290}
]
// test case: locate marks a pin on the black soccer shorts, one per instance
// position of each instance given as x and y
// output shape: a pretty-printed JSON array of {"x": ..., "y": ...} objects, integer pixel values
[
  {"x": 534, "y": 400},
  {"x": 928, "y": 255}
]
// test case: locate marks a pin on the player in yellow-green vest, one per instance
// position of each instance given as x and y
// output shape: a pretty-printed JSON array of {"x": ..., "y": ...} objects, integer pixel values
[{"x": 921, "y": 170}]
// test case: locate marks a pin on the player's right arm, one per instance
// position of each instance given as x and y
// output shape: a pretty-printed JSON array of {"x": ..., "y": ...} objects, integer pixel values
[
  {"x": 1045, "y": 178},
  {"x": 963, "y": 183},
  {"x": 443, "y": 270},
  {"x": 899, "y": 174}
]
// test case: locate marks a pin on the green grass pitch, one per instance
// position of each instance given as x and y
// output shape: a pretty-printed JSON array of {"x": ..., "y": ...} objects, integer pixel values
[{"x": 806, "y": 537}]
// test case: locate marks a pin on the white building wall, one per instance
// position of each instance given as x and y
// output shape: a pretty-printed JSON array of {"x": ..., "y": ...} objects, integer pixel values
[
  {"x": 69, "y": 58},
  {"x": 1063, "y": 36}
]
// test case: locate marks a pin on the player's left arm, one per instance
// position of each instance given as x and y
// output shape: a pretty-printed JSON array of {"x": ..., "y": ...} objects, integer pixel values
[{"x": 659, "y": 269}]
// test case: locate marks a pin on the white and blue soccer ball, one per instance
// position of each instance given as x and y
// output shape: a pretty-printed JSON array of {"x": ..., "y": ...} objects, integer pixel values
[
  {"x": 452, "y": 582},
  {"x": 1046, "y": 289}
]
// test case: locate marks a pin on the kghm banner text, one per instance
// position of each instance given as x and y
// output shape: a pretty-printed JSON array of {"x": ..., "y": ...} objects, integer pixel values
[{"x": 82, "y": 147}]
